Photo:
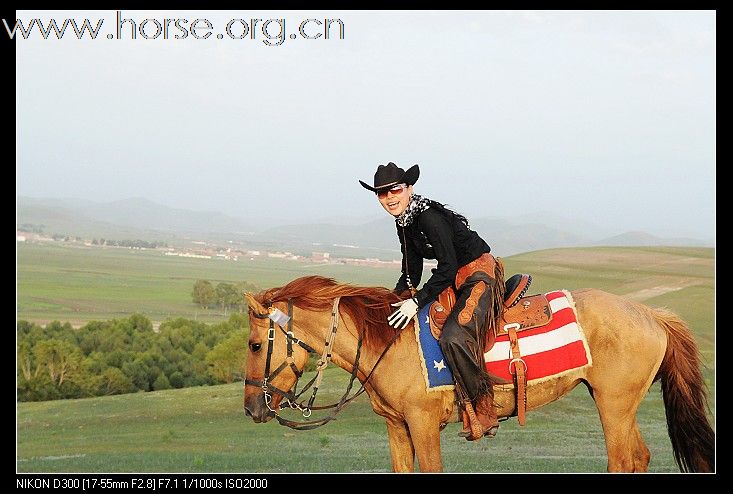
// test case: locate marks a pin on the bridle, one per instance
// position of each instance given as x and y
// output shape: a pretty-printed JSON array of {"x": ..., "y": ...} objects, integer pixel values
[{"x": 290, "y": 397}]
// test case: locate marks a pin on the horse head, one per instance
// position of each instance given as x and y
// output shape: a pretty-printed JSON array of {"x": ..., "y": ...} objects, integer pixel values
[{"x": 274, "y": 363}]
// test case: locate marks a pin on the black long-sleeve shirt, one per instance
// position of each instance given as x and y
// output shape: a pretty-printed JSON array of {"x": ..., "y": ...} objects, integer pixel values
[{"x": 439, "y": 235}]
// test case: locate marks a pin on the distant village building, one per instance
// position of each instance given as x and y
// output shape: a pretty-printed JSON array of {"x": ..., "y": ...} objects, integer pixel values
[
  {"x": 321, "y": 256},
  {"x": 373, "y": 262},
  {"x": 197, "y": 256},
  {"x": 187, "y": 254},
  {"x": 24, "y": 236}
]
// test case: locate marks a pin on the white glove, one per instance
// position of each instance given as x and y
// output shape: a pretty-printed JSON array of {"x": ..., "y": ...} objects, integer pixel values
[{"x": 406, "y": 311}]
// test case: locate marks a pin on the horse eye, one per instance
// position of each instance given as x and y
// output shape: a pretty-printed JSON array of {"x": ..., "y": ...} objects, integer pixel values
[{"x": 255, "y": 347}]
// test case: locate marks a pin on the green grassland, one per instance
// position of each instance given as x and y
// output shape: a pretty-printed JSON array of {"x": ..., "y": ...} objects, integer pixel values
[
  {"x": 80, "y": 284},
  {"x": 204, "y": 430}
]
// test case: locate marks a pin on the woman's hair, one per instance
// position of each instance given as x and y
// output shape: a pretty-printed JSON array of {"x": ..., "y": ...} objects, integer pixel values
[{"x": 449, "y": 212}]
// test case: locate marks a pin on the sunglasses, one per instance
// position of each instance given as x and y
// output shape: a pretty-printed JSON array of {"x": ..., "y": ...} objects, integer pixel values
[{"x": 395, "y": 189}]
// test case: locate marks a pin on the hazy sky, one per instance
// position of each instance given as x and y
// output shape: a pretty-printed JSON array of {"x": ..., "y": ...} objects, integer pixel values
[{"x": 604, "y": 116}]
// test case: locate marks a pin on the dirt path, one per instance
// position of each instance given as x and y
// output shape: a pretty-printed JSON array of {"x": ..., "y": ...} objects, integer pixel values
[{"x": 655, "y": 291}]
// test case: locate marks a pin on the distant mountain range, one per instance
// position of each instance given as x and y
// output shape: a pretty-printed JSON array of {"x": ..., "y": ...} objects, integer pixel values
[{"x": 375, "y": 236}]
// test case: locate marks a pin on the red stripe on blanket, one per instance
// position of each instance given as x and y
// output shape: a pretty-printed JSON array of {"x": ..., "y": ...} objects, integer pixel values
[
  {"x": 544, "y": 364},
  {"x": 553, "y": 295},
  {"x": 545, "y": 352}
]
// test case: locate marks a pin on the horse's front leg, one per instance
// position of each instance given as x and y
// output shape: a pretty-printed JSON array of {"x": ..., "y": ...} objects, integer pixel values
[
  {"x": 425, "y": 435},
  {"x": 400, "y": 445}
]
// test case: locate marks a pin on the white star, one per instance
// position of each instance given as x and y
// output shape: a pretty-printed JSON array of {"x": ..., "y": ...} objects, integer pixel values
[
  {"x": 438, "y": 365},
  {"x": 427, "y": 319}
]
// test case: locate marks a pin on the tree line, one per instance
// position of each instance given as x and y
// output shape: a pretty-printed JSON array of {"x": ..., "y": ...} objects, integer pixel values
[
  {"x": 125, "y": 355},
  {"x": 137, "y": 243},
  {"x": 224, "y": 295}
]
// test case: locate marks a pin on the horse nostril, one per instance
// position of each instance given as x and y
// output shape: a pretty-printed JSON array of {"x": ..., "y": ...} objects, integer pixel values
[{"x": 247, "y": 412}]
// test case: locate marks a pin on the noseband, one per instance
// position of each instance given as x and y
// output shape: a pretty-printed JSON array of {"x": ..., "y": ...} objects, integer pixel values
[{"x": 290, "y": 396}]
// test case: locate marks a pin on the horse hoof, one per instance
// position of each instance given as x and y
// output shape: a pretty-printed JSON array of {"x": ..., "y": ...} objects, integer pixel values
[{"x": 492, "y": 431}]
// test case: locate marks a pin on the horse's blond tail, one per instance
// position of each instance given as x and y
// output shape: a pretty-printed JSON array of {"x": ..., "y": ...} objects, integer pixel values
[{"x": 685, "y": 397}]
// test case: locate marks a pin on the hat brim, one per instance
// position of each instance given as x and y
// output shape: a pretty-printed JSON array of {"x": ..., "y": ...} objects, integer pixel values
[
  {"x": 410, "y": 177},
  {"x": 367, "y": 186}
]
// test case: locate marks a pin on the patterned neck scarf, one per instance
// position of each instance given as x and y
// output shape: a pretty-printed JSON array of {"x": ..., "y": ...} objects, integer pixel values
[{"x": 417, "y": 205}]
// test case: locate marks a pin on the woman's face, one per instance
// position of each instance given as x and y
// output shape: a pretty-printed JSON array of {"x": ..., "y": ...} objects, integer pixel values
[{"x": 396, "y": 199}]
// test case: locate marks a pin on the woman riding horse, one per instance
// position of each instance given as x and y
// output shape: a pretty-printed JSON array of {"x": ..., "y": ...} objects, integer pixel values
[{"x": 429, "y": 230}]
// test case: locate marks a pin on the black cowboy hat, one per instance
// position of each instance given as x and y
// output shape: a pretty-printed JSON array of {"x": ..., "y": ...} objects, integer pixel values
[{"x": 391, "y": 174}]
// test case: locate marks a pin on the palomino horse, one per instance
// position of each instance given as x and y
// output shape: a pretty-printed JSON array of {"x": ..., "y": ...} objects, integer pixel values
[{"x": 631, "y": 346}]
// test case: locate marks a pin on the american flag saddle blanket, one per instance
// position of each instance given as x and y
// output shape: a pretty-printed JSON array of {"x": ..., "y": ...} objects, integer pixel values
[{"x": 548, "y": 351}]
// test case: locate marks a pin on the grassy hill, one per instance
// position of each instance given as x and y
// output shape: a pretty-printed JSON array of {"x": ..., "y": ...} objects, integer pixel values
[{"x": 204, "y": 429}]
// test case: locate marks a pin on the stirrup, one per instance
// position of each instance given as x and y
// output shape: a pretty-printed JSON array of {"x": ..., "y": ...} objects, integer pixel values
[{"x": 490, "y": 432}]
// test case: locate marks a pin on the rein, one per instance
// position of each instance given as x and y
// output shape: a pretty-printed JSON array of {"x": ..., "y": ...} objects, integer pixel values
[{"x": 290, "y": 396}]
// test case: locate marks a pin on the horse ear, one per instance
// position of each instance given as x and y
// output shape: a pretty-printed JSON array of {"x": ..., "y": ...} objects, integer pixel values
[{"x": 254, "y": 304}]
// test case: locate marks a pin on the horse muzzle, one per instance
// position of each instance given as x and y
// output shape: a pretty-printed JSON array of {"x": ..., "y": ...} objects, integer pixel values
[{"x": 255, "y": 407}]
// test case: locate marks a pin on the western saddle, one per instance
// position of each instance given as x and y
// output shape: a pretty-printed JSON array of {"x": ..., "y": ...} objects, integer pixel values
[{"x": 520, "y": 313}]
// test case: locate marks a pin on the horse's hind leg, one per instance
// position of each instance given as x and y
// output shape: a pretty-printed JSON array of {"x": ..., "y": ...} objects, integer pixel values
[
  {"x": 628, "y": 348},
  {"x": 626, "y": 449}
]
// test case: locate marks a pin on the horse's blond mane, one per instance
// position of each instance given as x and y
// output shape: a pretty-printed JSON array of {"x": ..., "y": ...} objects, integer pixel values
[{"x": 367, "y": 306}]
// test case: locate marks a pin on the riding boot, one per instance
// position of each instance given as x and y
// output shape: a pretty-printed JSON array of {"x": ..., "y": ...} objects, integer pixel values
[{"x": 485, "y": 416}]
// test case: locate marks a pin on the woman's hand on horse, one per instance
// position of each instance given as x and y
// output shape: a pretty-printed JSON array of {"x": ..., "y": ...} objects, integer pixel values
[{"x": 406, "y": 310}]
